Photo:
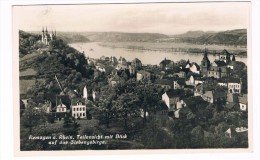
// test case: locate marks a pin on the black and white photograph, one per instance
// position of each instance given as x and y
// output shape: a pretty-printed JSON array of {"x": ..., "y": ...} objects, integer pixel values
[{"x": 133, "y": 76}]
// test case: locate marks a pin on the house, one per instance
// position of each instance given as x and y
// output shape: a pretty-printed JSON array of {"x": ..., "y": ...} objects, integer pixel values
[
  {"x": 164, "y": 62},
  {"x": 210, "y": 95},
  {"x": 121, "y": 66},
  {"x": 143, "y": 75},
  {"x": 189, "y": 88},
  {"x": 218, "y": 69},
  {"x": 103, "y": 58},
  {"x": 178, "y": 83},
  {"x": 122, "y": 61},
  {"x": 78, "y": 108},
  {"x": 171, "y": 97},
  {"x": 55, "y": 100},
  {"x": 232, "y": 101},
  {"x": 234, "y": 85},
  {"x": 132, "y": 71},
  {"x": 231, "y": 65},
  {"x": 164, "y": 83},
  {"x": 114, "y": 80},
  {"x": 224, "y": 56},
  {"x": 243, "y": 102},
  {"x": 181, "y": 74},
  {"x": 136, "y": 63},
  {"x": 195, "y": 68},
  {"x": 194, "y": 103},
  {"x": 188, "y": 64},
  {"x": 214, "y": 95},
  {"x": 60, "y": 107},
  {"x": 191, "y": 79},
  {"x": 198, "y": 80},
  {"x": 161, "y": 113},
  {"x": 113, "y": 59}
]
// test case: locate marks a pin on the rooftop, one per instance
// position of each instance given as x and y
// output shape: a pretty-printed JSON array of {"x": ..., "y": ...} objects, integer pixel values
[{"x": 193, "y": 100}]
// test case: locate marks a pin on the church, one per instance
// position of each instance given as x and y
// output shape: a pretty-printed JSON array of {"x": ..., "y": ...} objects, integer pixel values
[
  {"x": 218, "y": 68},
  {"x": 47, "y": 37}
]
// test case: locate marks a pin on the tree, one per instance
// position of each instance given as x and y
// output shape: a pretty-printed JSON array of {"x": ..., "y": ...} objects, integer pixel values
[
  {"x": 71, "y": 126},
  {"x": 33, "y": 116},
  {"x": 125, "y": 106}
]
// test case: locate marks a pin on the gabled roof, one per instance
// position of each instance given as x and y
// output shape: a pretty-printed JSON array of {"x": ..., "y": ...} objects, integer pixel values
[
  {"x": 143, "y": 72},
  {"x": 122, "y": 59},
  {"x": 242, "y": 99},
  {"x": 220, "y": 63},
  {"x": 193, "y": 100},
  {"x": 165, "y": 61},
  {"x": 74, "y": 101},
  {"x": 181, "y": 81},
  {"x": 224, "y": 52},
  {"x": 163, "y": 82},
  {"x": 196, "y": 65},
  {"x": 234, "y": 80},
  {"x": 136, "y": 60},
  {"x": 232, "y": 98},
  {"x": 189, "y": 86},
  {"x": 219, "y": 93},
  {"x": 173, "y": 93}
]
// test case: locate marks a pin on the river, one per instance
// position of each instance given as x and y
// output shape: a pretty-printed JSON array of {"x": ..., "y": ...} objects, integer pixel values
[{"x": 94, "y": 50}]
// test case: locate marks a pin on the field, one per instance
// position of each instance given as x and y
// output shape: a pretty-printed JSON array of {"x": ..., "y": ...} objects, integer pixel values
[
  {"x": 24, "y": 84},
  {"x": 28, "y": 72}
]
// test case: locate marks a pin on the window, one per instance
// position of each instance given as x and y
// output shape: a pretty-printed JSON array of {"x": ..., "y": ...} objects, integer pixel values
[
  {"x": 77, "y": 109},
  {"x": 83, "y": 109},
  {"x": 84, "y": 114},
  {"x": 80, "y": 114},
  {"x": 80, "y": 109},
  {"x": 74, "y": 115},
  {"x": 74, "y": 109}
]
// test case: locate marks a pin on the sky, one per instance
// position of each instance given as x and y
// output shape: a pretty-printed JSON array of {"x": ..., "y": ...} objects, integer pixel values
[{"x": 165, "y": 18}]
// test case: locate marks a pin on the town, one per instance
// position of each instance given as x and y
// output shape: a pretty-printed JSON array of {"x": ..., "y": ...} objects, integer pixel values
[{"x": 174, "y": 104}]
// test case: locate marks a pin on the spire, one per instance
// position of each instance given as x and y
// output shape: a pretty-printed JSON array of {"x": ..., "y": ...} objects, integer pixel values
[
  {"x": 42, "y": 29},
  {"x": 205, "y": 53},
  {"x": 233, "y": 58},
  {"x": 46, "y": 30}
]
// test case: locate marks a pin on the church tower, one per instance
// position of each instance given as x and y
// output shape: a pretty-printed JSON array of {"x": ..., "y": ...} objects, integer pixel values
[
  {"x": 43, "y": 35},
  {"x": 205, "y": 64}
]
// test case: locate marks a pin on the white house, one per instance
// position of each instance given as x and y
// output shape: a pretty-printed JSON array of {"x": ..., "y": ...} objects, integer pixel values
[
  {"x": 171, "y": 97},
  {"x": 234, "y": 87},
  {"x": 143, "y": 75},
  {"x": 61, "y": 108},
  {"x": 195, "y": 68},
  {"x": 178, "y": 83},
  {"x": 78, "y": 110},
  {"x": 243, "y": 102}
]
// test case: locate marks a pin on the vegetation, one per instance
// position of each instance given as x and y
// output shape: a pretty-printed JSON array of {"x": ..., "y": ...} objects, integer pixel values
[{"x": 117, "y": 109}]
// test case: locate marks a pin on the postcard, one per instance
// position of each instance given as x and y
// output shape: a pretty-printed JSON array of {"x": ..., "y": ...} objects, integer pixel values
[{"x": 136, "y": 77}]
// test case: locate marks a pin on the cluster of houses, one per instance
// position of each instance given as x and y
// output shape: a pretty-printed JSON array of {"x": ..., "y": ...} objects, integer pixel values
[
  {"x": 186, "y": 84},
  {"x": 183, "y": 84}
]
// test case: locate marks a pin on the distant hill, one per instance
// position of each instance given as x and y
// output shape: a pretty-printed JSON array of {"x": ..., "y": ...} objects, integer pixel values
[
  {"x": 230, "y": 37},
  {"x": 71, "y": 37},
  {"x": 192, "y": 34},
  {"x": 124, "y": 37}
]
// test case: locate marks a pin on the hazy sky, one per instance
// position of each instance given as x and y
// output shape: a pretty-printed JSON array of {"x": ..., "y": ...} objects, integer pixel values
[{"x": 167, "y": 18}]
